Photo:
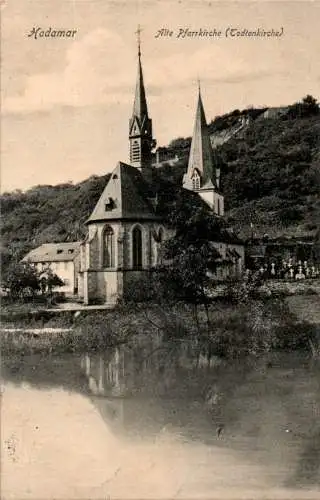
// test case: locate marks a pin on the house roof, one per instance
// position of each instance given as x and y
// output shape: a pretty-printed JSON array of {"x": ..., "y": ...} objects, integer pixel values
[
  {"x": 126, "y": 196},
  {"x": 54, "y": 252}
]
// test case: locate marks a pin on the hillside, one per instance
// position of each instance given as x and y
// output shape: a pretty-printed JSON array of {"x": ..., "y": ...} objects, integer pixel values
[
  {"x": 46, "y": 214},
  {"x": 270, "y": 168},
  {"x": 270, "y": 175}
]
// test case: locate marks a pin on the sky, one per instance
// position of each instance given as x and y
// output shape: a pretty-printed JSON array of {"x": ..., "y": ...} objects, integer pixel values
[{"x": 66, "y": 102}]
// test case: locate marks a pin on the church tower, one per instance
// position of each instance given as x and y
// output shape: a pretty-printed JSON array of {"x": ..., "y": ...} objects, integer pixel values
[
  {"x": 202, "y": 175},
  {"x": 140, "y": 125}
]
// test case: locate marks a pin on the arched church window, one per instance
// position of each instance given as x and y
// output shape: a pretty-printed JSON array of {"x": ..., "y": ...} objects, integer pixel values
[
  {"x": 219, "y": 209},
  {"x": 108, "y": 247},
  {"x": 196, "y": 181},
  {"x": 137, "y": 247}
]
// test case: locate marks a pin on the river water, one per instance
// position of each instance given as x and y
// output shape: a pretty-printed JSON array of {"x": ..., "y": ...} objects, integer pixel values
[{"x": 151, "y": 421}]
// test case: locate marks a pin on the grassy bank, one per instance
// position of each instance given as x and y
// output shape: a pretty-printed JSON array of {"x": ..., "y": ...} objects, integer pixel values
[
  {"x": 221, "y": 329},
  {"x": 38, "y": 313},
  {"x": 25, "y": 314}
]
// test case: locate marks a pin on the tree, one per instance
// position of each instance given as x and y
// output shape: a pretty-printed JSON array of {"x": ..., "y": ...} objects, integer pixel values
[
  {"x": 191, "y": 260},
  {"x": 190, "y": 254},
  {"x": 180, "y": 143},
  {"x": 49, "y": 280},
  {"x": 311, "y": 105},
  {"x": 307, "y": 107},
  {"x": 22, "y": 278},
  {"x": 192, "y": 257}
]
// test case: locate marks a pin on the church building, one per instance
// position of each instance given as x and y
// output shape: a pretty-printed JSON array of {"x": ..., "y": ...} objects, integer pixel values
[{"x": 125, "y": 229}]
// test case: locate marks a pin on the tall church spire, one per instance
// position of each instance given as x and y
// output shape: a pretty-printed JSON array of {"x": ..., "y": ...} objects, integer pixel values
[
  {"x": 201, "y": 172},
  {"x": 140, "y": 108},
  {"x": 140, "y": 125}
]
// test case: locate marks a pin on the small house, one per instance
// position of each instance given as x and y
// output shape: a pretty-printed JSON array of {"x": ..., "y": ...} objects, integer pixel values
[{"x": 62, "y": 259}]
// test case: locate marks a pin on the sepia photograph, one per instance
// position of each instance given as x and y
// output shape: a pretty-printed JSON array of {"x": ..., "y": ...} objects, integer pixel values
[{"x": 160, "y": 250}]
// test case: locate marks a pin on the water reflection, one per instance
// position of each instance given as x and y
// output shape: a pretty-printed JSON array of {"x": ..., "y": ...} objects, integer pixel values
[
  {"x": 151, "y": 391},
  {"x": 151, "y": 421},
  {"x": 307, "y": 470}
]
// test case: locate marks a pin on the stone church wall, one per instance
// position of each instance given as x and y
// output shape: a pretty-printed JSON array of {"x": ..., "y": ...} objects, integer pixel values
[
  {"x": 92, "y": 248},
  {"x": 99, "y": 286},
  {"x": 80, "y": 286},
  {"x": 90, "y": 286},
  {"x": 107, "y": 286}
]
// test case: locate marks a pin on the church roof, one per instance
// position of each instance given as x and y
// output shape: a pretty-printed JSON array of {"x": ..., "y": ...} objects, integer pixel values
[
  {"x": 201, "y": 157},
  {"x": 126, "y": 196}
]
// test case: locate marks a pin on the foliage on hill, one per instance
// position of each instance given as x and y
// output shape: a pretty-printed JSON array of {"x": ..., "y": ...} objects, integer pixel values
[
  {"x": 229, "y": 120},
  {"x": 46, "y": 214},
  {"x": 270, "y": 175}
]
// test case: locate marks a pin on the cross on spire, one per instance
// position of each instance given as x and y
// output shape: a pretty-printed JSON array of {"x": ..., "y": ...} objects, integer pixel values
[
  {"x": 199, "y": 86},
  {"x": 138, "y": 33}
]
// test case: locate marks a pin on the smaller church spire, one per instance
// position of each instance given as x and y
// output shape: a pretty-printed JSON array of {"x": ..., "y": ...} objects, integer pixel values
[
  {"x": 202, "y": 175},
  {"x": 200, "y": 158}
]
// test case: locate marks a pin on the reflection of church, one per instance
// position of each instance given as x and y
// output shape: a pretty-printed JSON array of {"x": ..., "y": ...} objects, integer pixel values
[
  {"x": 142, "y": 395},
  {"x": 125, "y": 229}
]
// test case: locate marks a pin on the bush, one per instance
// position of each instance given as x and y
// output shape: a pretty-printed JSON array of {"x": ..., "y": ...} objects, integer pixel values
[{"x": 244, "y": 289}]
